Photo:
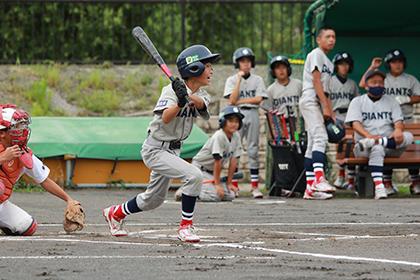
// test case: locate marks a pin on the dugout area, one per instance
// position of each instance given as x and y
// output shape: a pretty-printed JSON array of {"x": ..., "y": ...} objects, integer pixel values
[
  {"x": 99, "y": 152},
  {"x": 367, "y": 29}
]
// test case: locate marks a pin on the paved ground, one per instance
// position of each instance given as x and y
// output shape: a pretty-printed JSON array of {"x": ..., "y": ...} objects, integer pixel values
[{"x": 245, "y": 239}]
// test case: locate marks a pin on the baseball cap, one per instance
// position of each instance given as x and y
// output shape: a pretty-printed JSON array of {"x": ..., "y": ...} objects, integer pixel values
[{"x": 374, "y": 71}]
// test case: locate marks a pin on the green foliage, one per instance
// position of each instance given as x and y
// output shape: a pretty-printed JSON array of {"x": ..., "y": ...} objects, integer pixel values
[
  {"x": 101, "y": 101},
  {"x": 40, "y": 98},
  {"x": 102, "y": 31},
  {"x": 27, "y": 186}
]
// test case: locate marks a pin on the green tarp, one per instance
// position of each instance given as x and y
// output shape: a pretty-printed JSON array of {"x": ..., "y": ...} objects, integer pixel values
[
  {"x": 368, "y": 29},
  {"x": 99, "y": 138}
]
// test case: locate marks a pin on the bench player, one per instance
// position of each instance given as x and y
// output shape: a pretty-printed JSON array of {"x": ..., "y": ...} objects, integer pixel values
[
  {"x": 405, "y": 88},
  {"x": 172, "y": 124},
  {"x": 343, "y": 90},
  {"x": 378, "y": 123},
  {"x": 246, "y": 91}
]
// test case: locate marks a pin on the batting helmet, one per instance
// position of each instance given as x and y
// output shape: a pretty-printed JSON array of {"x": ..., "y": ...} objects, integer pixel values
[
  {"x": 229, "y": 112},
  {"x": 394, "y": 54},
  {"x": 343, "y": 56},
  {"x": 17, "y": 122},
  {"x": 336, "y": 131},
  {"x": 243, "y": 52},
  {"x": 276, "y": 61},
  {"x": 190, "y": 61}
]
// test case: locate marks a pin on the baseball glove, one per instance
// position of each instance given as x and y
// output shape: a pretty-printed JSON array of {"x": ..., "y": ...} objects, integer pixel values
[{"x": 74, "y": 217}]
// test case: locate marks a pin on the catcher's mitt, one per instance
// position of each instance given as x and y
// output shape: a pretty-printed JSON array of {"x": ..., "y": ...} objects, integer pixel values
[{"x": 74, "y": 217}]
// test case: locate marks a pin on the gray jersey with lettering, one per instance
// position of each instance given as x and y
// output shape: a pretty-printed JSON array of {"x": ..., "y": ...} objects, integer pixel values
[
  {"x": 279, "y": 96},
  {"x": 341, "y": 94},
  {"x": 378, "y": 117},
  {"x": 317, "y": 59},
  {"x": 179, "y": 128},
  {"x": 403, "y": 85},
  {"x": 253, "y": 86},
  {"x": 219, "y": 144}
]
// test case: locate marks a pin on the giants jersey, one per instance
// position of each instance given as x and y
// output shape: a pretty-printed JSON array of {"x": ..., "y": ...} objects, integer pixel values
[
  {"x": 253, "y": 86},
  {"x": 219, "y": 146},
  {"x": 378, "y": 117},
  {"x": 317, "y": 59},
  {"x": 341, "y": 94},
  {"x": 279, "y": 96},
  {"x": 405, "y": 84},
  {"x": 179, "y": 128}
]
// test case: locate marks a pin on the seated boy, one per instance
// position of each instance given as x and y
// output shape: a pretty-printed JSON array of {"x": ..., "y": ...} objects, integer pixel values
[
  {"x": 378, "y": 122},
  {"x": 224, "y": 146}
]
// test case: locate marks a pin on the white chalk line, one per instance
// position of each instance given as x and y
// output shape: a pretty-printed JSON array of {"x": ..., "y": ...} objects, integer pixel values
[
  {"x": 226, "y": 245},
  {"x": 197, "y": 224}
]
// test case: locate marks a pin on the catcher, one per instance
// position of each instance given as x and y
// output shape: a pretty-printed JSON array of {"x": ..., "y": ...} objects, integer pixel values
[{"x": 16, "y": 159}]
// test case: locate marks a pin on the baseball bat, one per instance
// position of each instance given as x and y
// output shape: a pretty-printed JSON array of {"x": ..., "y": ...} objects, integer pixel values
[
  {"x": 236, "y": 176},
  {"x": 148, "y": 46}
]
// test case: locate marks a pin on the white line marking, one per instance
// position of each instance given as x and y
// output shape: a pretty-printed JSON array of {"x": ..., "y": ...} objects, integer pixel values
[
  {"x": 336, "y": 257},
  {"x": 135, "y": 257},
  {"x": 226, "y": 245},
  {"x": 253, "y": 224}
]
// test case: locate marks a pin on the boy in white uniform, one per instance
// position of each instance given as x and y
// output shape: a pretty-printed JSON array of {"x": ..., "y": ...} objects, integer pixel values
[
  {"x": 378, "y": 124},
  {"x": 172, "y": 124},
  {"x": 246, "y": 91},
  {"x": 315, "y": 107},
  {"x": 223, "y": 147},
  {"x": 343, "y": 90},
  {"x": 285, "y": 91},
  {"x": 405, "y": 88}
]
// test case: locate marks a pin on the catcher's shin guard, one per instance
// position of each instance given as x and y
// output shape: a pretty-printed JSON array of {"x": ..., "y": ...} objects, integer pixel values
[{"x": 29, "y": 231}]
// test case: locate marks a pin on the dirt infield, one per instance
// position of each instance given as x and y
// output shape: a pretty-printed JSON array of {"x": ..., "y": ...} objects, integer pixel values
[{"x": 245, "y": 239}]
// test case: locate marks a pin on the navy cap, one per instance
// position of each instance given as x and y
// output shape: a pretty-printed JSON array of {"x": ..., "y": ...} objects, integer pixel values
[{"x": 374, "y": 71}]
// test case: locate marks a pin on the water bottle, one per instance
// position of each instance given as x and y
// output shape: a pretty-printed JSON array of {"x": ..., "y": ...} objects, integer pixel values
[{"x": 417, "y": 149}]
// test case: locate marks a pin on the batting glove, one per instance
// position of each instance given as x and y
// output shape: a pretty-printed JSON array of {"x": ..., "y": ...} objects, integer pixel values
[
  {"x": 181, "y": 92},
  {"x": 403, "y": 99}
]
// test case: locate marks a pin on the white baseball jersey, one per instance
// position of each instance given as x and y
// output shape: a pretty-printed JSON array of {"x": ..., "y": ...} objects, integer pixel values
[
  {"x": 403, "y": 85},
  {"x": 179, "y": 128},
  {"x": 218, "y": 146},
  {"x": 378, "y": 117},
  {"x": 341, "y": 95},
  {"x": 279, "y": 96},
  {"x": 317, "y": 59},
  {"x": 253, "y": 86}
]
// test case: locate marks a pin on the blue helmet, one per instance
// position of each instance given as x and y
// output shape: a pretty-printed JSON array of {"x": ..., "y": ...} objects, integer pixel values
[
  {"x": 243, "y": 52},
  {"x": 190, "y": 61},
  {"x": 343, "y": 56},
  {"x": 279, "y": 59},
  {"x": 394, "y": 54},
  {"x": 336, "y": 131},
  {"x": 229, "y": 112}
]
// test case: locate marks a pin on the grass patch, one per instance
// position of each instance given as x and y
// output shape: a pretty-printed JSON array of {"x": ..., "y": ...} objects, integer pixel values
[{"x": 27, "y": 187}]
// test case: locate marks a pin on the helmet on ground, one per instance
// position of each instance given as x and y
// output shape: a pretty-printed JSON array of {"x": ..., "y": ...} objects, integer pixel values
[
  {"x": 394, "y": 54},
  {"x": 336, "y": 131},
  {"x": 343, "y": 56},
  {"x": 190, "y": 61},
  {"x": 16, "y": 122},
  {"x": 243, "y": 52},
  {"x": 276, "y": 61},
  {"x": 229, "y": 112}
]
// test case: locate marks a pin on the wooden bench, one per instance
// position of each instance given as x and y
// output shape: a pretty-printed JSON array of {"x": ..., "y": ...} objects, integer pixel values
[{"x": 345, "y": 156}]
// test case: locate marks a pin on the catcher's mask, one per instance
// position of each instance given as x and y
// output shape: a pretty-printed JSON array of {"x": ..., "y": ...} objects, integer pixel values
[{"x": 17, "y": 124}]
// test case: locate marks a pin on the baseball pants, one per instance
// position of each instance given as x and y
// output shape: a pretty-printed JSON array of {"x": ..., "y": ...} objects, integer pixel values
[
  {"x": 377, "y": 153},
  {"x": 166, "y": 165},
  {"x": 14, "y": 219},
  {"x": 251, "y": 130},
  {"x": 311, "y": 110},
  {"x": 209, "y": 192}
]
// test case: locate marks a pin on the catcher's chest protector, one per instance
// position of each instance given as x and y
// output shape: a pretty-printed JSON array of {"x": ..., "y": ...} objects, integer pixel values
[{"x": 9, "y": 174}]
